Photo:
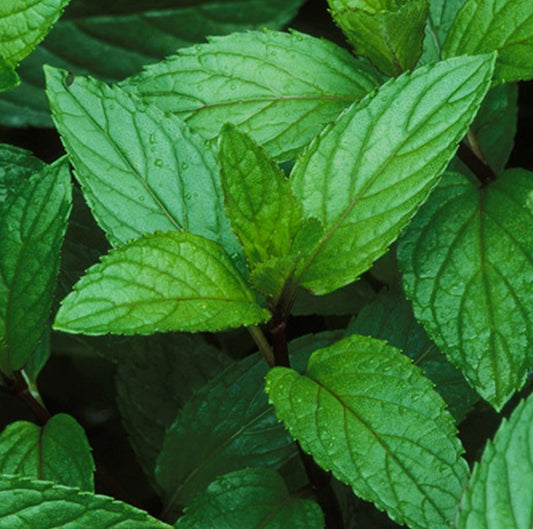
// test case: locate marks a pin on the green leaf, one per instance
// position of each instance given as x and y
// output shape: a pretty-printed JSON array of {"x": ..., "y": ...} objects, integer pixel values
[
  {"x": 23, "y": 24},
  {"x": 505, "y": 26},
  {"x": 38, "y": 359},
  {"x": 43, "y": 505},
  {"x": 8, "y": 77},
  {"x": 155, "y": 381},
  {"x": 255, "y": 498},
  {"x": 58, "y": 452},
  {"x": 33, "y": 222},
  {"x": 259, "y": 202},
  {"x": 234, "y": 427},
  {"x": 389, "y": 33},
  {"x": 363, "y": 411},
  {"x": 467, "y": 262},
  {"x": 16, "y": 165},
  {"x": 280, "y": 88},
  {"x": 113, "y": 40},
  {"x": 441, "y": 15},
  {"x": 365, "y": 176},
  {"x": 140, "y": 171},
  {"x": 390, "y": 317},
  {"x": 161, "y": 282},
  {"x": 499, "y": 492}
]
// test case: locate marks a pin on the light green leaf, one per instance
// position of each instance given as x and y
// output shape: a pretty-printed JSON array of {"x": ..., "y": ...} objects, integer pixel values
[
  {"x": 234, "y": 427},
  {"x": 505, "y": 26},
  {"x": 390, "y": 317},
  {"x": 33, "y": 221},
  {"x": 8, "y": 77},
  {"x": 58, "y": 452},
  {"x": 499, "y": 493},
  {"x": 23, "y": 24},
  {"x": 16, "y": 165},
  {"x": 363, "y": 411},
  {"x": 258, "y": 198},
  {"x": 365, "y": 176},
  {"x": 161, "y": 282},
  {"x": 112, "y": 40},
  {"x": 140, "y": 171},
  {"x": 255, "y": 498},
  {"x": 441, "y": 15},
  {"x": 280, "y": 88},
  {"x": 467, "y": 260},
  {"x": 43, "y": 505},
  {"x": 157, "y": 379},
  {"x": 389, "y": 33}
]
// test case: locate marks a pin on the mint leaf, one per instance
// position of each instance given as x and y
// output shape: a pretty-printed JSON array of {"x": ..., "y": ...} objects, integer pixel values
[
  {"x": 467, "y": 264},
  {"x": 258, "y": 198},
  {"x": 44, "y": 505},
  {"x": 154, "y": 381},
  {"x": 280, "y": 88},
  {"x": 363, "y": 411},
  {"x": 441, "y": 15},
  {"x": 495, "y": 25},
  {"x": 390, "y": 317},
  {"x": 234, "y": 427},
  {"x": 16, "y": 165},
  {"x": 23, "y": 24},
  {"x": 390, "y": 34},
  {"x": 8, "y": 77},
  {"x": 33, "y": 222},
  {"x": 140, "y": 171},
  {"x": 162, "y": 282},
  {"x": 499, "y": 492},
  {"x": 115, "y": 40},
  {"x": 365, "y": 176},
  {"x": 255, "y": 498},
  {"x": 58, "y": 451}
]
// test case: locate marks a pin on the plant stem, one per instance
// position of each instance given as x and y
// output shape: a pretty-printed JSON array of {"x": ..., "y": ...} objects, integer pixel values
[
  {"x": 262, "y": 343},
  {"x": 475, "y": 161},
  {"x": 18, "y": 387}
]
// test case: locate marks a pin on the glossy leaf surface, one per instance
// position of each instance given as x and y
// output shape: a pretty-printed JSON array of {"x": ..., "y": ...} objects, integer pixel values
[
  {"x": 42, "y": 505},
  {"x": 140, "y": 171},
  {"x": 255, "y": 498},
  {"x": 162, "y": 282},
  {"x": 33, "y": 221},
  {"x": 365, "y": 176},
  {"x": 467, "y": 263},
  {"x": 280, "y": 88},
  {"x": 505, "y": 26},
  {"x": 363, "y": 411},
  {"x": 499, "y": 493},
  {"x": 58, "y": 452}
]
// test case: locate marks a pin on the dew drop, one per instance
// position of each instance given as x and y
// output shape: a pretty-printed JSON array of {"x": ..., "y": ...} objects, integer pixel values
[
  {"x": 273, "y": 53},
  {"x": 159, "y": 163},
  {"x": 151, "y": 138},
  {"x": 184, "y": 165},
  {"x": 233, "y": 86},
  {"x": 141, "y": 198},
  {"x": 188, "y": 196},
  {"x": 199, "y": 87},
  {"x": 208, "y": 144}
]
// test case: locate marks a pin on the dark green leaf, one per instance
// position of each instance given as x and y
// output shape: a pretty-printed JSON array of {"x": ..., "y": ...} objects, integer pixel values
[
  {"x": 155, "y": 381},
  {"x": 363, "y": 411},
  {"x": 390, "y": 33},
  {"x": 280, "y": 88},
  {"x": 140, "y": 171},
  {"x": 365, "y": 176},
  {"x": 8, "y": 77},
  {"x": 467, "y": 260},
  {"x": 161, "y": 282},
  {"x": 23, "y": 24},
  {"x": 505, "y": 26},
  {"x": 43, "y": 505},
  {"x": 58, "y": 452},
  {"x": 499, "y": 493},
  {"x": 112, "y": 40},
  {"x": 16, "y": 165},
  {"x": 254, "y": 498},
  {"x": 258, "y": 198},
  {"x": 33, "y": 221},
  {"x": 390, "y": 317}
]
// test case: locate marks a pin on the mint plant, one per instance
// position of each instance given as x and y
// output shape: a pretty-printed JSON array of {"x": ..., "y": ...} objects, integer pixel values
[{"x": 243, "y": 175}]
